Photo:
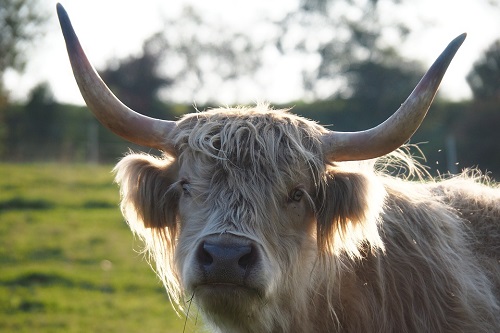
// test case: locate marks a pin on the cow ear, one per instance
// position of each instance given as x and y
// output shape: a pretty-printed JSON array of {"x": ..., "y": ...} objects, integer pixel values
[
  {"x": 148, "y": 200},
  {"x": 348, "y": 211}
]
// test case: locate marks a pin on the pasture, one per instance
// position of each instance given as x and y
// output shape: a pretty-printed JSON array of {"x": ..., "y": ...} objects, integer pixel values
[{"x": 68, "y": 262}]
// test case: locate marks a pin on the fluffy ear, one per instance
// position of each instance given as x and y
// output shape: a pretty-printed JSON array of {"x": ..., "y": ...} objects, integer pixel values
[
  {"x": 147, "y": 197},
  {"x": 149, "y": 202},
  {"x": 348, "y": 211}
]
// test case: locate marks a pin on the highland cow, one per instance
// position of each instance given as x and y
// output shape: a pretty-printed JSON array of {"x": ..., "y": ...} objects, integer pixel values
[{"x": 269, "y": 222}]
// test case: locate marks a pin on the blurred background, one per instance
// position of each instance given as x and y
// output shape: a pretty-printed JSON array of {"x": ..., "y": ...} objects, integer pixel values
[{"x": 67, "y": 260}]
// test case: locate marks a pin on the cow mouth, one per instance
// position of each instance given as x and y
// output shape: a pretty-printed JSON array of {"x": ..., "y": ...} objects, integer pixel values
[
  {"x": 226, "y": 294},
  {"x": 228, "y": 301},
  {"x": 221, "y": 289}
]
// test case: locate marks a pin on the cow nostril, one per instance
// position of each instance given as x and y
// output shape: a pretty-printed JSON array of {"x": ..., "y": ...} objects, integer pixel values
[
  {"x": 204, "y": 256},
  {"x": 248, "y": 259}
]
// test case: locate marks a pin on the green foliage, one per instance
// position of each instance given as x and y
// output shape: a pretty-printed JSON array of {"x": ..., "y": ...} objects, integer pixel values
[
  {"x": 20, "y": 22},
  {"x": 192, "y": 56},
  {"x": 137, "y": 81},
  {"x": 477, "y": 131},
  {"x": 472, "y": 127},
  {"x": 43, "y": 130},
  {"x": 67, "y": 258},
  {"x": 380, "y": 83},
  {"x": 478, "y": 136},
  {"x": 347, "y": 36},
  {"x": 72, "y": 134},
  {"x": 484, "y": 78}
]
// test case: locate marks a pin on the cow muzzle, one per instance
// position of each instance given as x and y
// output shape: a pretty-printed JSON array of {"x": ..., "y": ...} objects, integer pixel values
[
  {"x": 227, "y": 263},
  {"x": 229, "y": 278}
]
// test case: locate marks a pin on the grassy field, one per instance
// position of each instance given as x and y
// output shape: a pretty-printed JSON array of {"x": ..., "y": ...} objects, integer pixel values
[{"x": 68, "y": 262}]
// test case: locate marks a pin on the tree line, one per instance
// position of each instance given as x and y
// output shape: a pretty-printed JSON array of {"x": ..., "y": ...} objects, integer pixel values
[{"x": 454, "y": 135}]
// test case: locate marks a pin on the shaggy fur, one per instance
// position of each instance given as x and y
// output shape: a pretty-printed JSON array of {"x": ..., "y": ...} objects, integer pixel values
[{"x": 360, "y": 251}]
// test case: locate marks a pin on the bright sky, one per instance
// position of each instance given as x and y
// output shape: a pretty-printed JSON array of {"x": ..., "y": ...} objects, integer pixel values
[{"x": 116, "y": 28}]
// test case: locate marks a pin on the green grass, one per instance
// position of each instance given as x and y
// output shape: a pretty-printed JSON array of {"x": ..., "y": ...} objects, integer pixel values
[{"x": 68, "y": 262}]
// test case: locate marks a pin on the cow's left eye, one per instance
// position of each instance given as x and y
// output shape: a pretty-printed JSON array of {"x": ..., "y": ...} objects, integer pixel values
[
  {"x": 186, "y": 187},
  {"x": 296, "y": 194}
]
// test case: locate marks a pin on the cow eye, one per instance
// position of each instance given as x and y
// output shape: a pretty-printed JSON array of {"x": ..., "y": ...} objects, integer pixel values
[
  {"x": 186, "y": 187},
  {"x": 297, "y": 194}
]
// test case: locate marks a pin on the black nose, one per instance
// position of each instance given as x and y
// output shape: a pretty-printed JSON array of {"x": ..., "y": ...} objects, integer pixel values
[{"x": 226, "y": 259}]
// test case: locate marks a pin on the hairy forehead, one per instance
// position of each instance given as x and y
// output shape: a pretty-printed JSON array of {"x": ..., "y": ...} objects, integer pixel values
[
  {"x": 244, "y": 143},
  {"x": 241, "y": 134}
]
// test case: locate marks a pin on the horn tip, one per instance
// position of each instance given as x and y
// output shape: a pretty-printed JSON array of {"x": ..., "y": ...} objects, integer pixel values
[
  {"x": 72, "y": 43},
  {"x": 439, "y": 67},
  {"x": 459, "y": 39},
  {"x": 63, "y": 18},
  {"x": 61, "y": 12}
]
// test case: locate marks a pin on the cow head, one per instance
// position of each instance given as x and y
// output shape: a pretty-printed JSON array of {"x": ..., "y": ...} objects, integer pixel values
[{"x": 246, "y": 202}]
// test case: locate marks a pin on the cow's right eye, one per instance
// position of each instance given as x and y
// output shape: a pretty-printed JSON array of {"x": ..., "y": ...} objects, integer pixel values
[{"x": 297, "y": 194}]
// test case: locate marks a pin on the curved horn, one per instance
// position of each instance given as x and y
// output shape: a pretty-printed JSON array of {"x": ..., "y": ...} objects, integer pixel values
[
  {"x": 108, "y": 109},
  {"x": 397, "y": 129}
]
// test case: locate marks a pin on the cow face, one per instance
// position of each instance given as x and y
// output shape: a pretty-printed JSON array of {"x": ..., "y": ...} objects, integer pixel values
[
  {"x": 239, "y": 214},
  {"x": 240, "y": 237},
  {"x": 237, "y": 206}
]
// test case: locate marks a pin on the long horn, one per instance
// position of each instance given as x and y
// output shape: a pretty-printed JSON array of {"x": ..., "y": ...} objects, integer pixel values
[
  {"x": 108, "y": 109},
  {"x": 397, "y": 129}
]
